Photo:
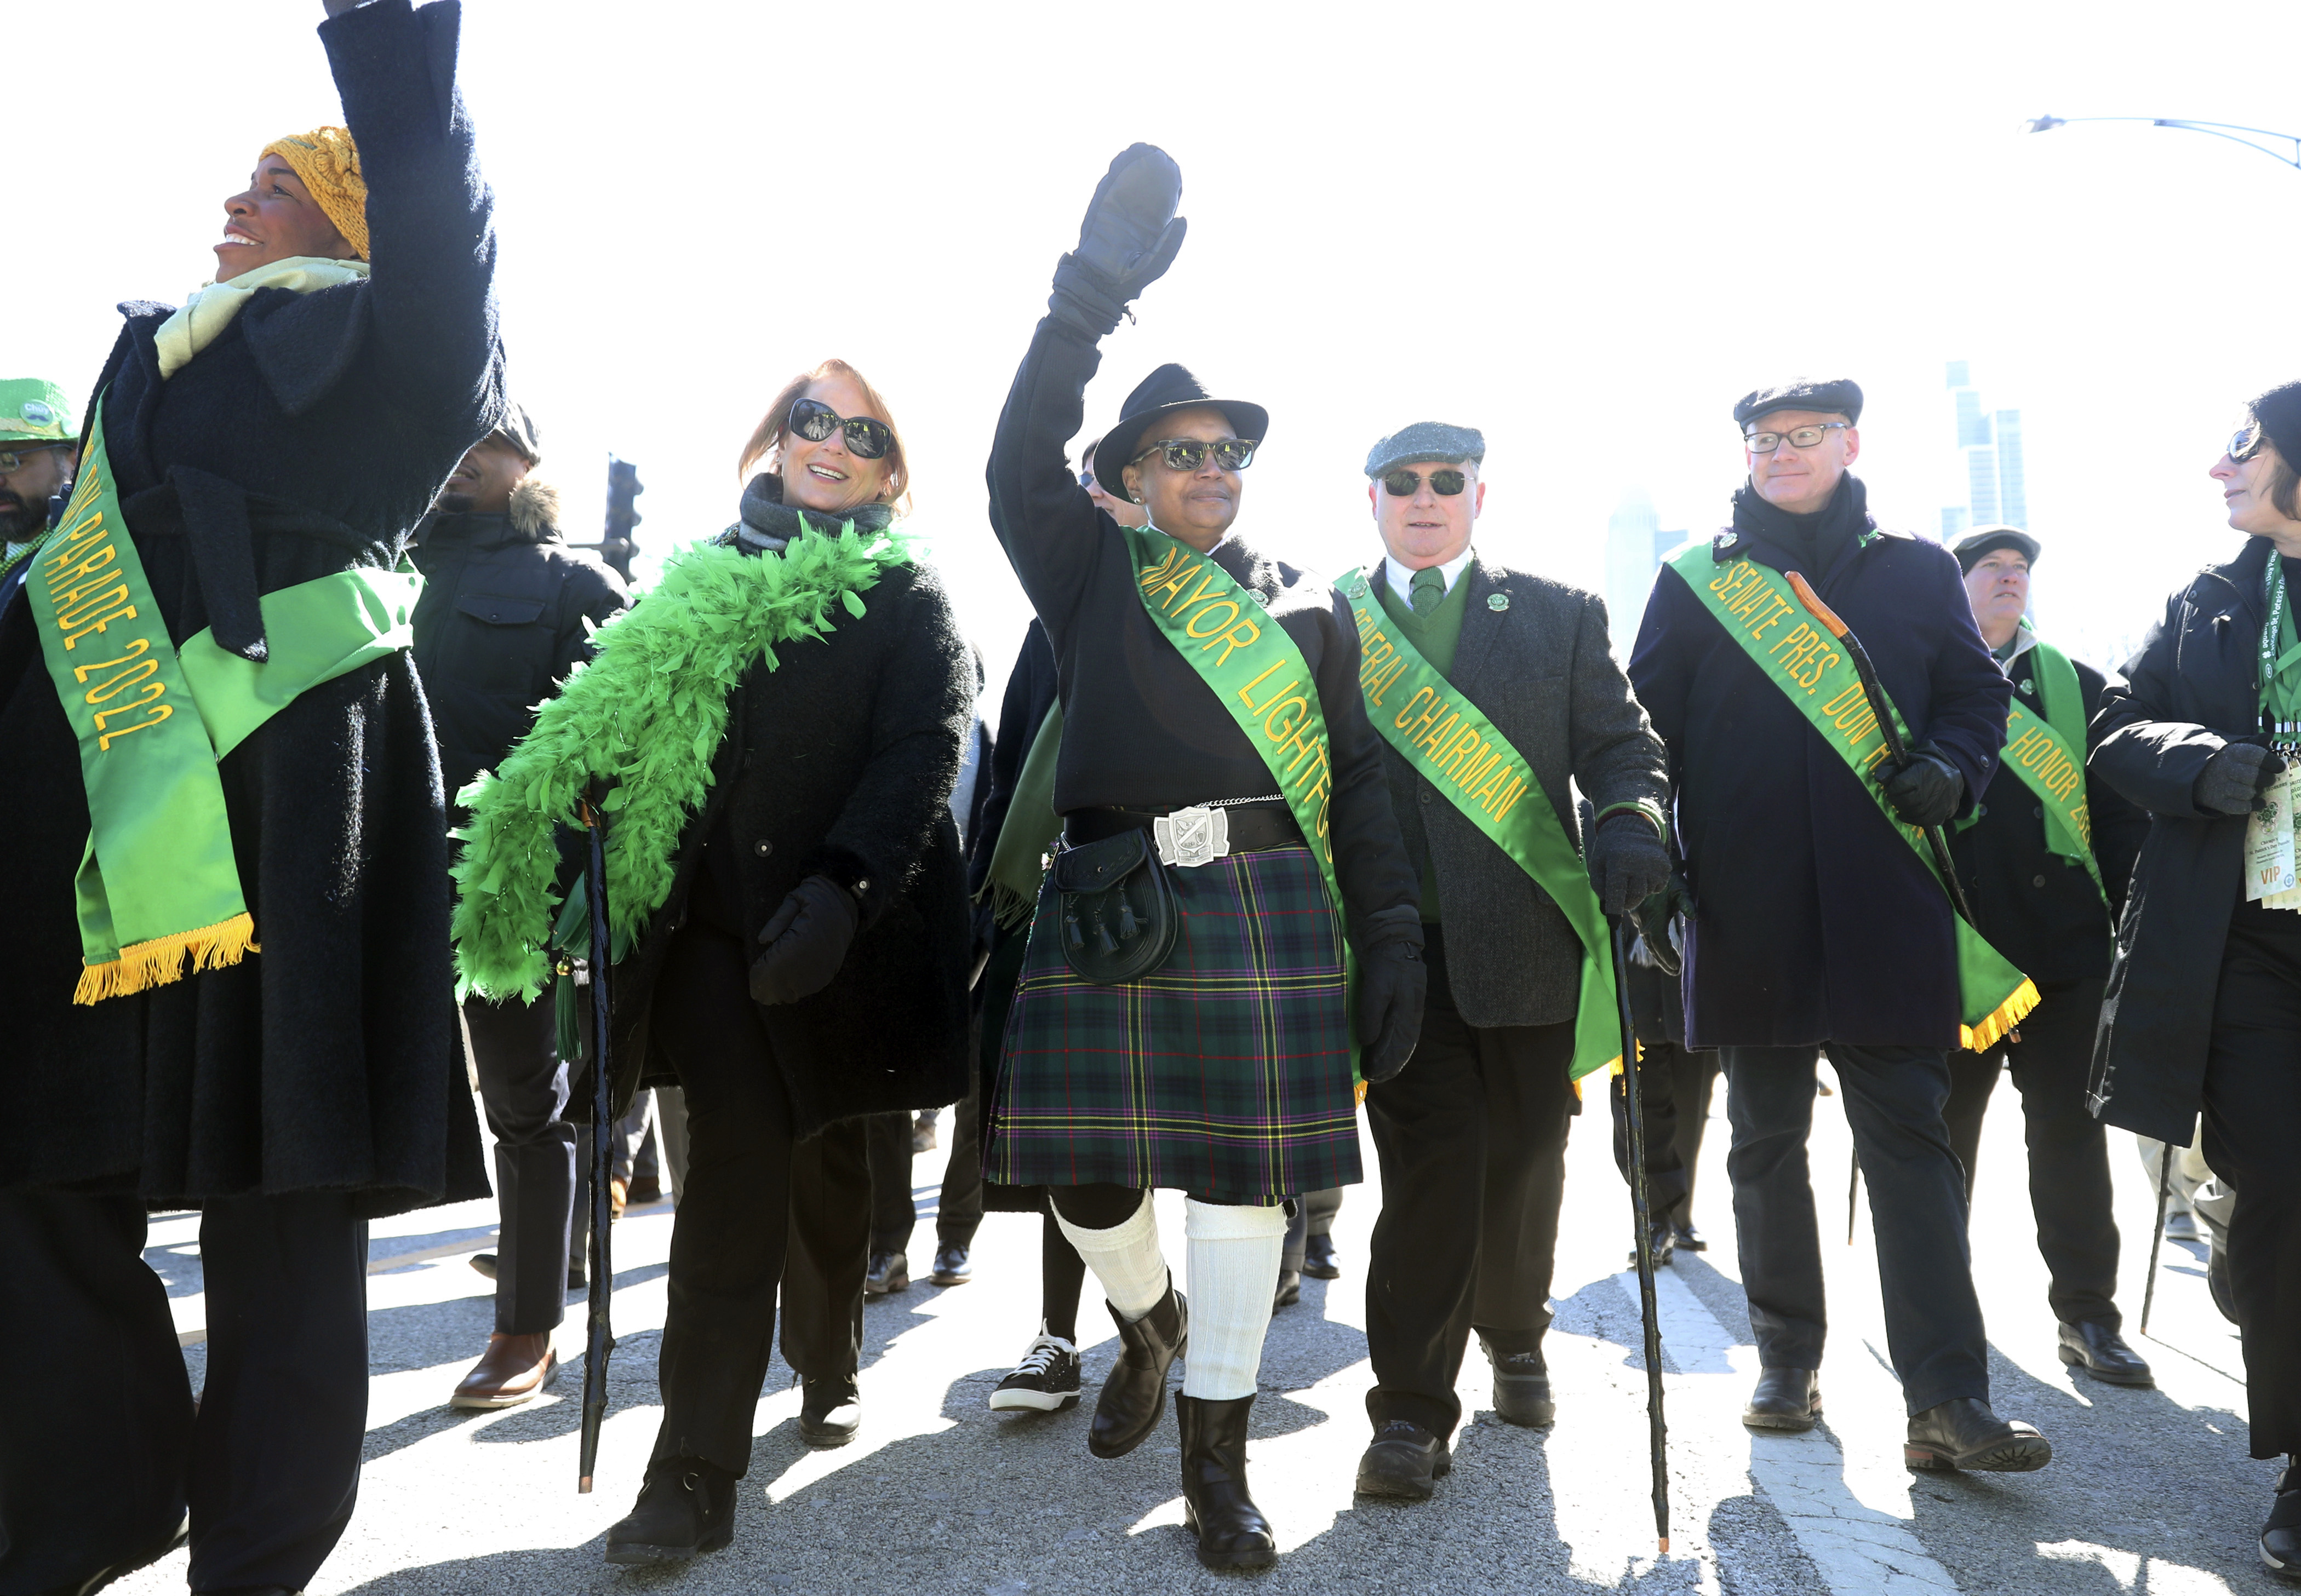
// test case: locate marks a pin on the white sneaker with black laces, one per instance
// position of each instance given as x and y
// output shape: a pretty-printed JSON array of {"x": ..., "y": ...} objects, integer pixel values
[{"x": 1046, "y": 1380}]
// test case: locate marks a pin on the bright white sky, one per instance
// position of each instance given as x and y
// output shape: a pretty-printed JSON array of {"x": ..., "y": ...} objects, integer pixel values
[{"x": 1584, "y": 229}]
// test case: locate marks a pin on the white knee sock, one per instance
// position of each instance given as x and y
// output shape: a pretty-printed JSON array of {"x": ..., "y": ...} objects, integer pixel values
[
  {"x": 1233, "y": 1273},
  {"x": 1126, "y": 1259}
]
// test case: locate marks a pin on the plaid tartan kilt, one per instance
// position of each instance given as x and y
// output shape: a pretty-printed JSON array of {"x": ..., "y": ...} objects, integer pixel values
[{"x": 1224, "y": 1074}]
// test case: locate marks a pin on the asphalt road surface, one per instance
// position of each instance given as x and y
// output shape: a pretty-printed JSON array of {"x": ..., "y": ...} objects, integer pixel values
[{"x": 2149, "y": 1491}]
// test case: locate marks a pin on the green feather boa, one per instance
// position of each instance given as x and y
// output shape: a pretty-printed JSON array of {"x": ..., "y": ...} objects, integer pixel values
[{"x": 647, "y": 712}]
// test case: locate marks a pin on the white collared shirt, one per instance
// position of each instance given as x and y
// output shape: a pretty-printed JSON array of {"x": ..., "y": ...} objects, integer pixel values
[{"x": 1402, "y": 580}]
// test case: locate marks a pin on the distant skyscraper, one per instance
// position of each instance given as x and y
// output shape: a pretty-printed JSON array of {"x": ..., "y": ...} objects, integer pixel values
[
  {"x": 1635, "y": 544},
  {"x": 1989, "y": 459}
]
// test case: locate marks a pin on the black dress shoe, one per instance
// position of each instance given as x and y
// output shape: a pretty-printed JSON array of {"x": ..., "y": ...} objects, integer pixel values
[
  {"x": 1404, "y": 1460},
  {"x": 2100, "y": 1351},
  {"x": 1319, "y": 1259},
  {"x": 1289, "y": 1292},
  {"x": 1664, "y": 1240},
  {"x": 1232, "y": 1532},
  {"x": 2281, "y": 1537},
  {"x": 686, "y": 1507},
  {"x": 1686, "y": 1239},
  {"x": 1784, "y": 1400},
  {"x": 953, "y": 1266},
  {"x": 830, "y": 1411},
  {"x": 1963, "y": 1433},
  {"x": 1522, "y": 1389},
  {"x": 888, "y": 1272},
  {"x": 1135, "y": 1391}
]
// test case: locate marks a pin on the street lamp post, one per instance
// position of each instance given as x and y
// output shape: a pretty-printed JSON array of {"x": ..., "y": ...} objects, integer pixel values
[{"x": 2229, "y": 130}]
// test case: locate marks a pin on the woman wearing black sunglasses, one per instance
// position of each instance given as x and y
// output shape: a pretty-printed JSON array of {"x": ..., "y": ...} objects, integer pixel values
[{"x": 2203, "y": 1007}]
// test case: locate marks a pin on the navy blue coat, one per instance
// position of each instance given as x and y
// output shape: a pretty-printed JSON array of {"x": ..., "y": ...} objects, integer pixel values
[{"x": 1816, "y": 922}]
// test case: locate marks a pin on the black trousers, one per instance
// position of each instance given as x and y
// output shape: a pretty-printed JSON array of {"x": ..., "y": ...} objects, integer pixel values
[
  {"x": 894, "y": 1215},
  {"x": 2252, "y": 1126},
  {"x": 959, "y": 1214},
  {"x": 1894, "y": 1100},
  {"x": 523, "y": 1087},
  {"x": 1472, "y": 1139},
  {"x": 1315, "y": 1212},
  {"x": 100, "y": 1453},
  {"x": 2070, "y": 1192},
  {"x": 754, "y": 1204},
  {"x": 1674, "y": 1091}
]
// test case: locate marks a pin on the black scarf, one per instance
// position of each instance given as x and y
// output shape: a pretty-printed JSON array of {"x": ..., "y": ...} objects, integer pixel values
[
  {"x": 769, "y": 525},
  {"x": 1818, "y": 537}
]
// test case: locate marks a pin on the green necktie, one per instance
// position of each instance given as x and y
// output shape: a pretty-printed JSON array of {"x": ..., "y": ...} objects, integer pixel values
[{"x": 1429, "y": 589}]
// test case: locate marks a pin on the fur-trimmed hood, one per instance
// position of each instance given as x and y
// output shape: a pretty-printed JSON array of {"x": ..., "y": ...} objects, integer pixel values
[{"x": 535, "y": 509}]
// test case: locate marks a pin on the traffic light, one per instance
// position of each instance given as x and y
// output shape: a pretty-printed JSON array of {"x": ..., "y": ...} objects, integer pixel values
[{"x": 617, "y": 543}]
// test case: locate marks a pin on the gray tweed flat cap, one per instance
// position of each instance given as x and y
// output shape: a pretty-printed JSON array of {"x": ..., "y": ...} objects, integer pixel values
[
  {"x": 1426, "y": 440},
  {"x": 518, "y": 430},
  {"x": 1841, "y": 394}
]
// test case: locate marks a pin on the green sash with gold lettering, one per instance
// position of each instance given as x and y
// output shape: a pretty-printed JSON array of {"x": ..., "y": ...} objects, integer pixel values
[
  {"x": 1800, "y": 656},
  {"x": 1453, "y": 746},
  {"x": 2045, "y": 752}
]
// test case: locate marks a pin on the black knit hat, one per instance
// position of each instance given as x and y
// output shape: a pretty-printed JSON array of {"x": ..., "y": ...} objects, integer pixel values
[
  {"x": 1839, "y": 396},
  {"x": 1164, "y": 392},
  {"x": 2279, "y": 411},
  {"x": 1969, "y": 548}
]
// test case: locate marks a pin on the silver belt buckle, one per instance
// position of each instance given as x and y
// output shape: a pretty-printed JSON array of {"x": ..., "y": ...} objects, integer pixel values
[{"x": 1197, "y": 835}]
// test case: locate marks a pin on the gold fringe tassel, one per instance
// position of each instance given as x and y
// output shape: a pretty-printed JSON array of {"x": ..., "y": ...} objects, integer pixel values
[
  {"x": 2009, "y": 1013},
  {"x": 161, "y": 960}
]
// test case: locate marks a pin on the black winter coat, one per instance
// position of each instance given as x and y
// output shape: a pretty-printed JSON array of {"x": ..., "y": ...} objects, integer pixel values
[
  {"x": 2190, "y": 689},
  {"x": 2039, "y": 910},
  {"x": 500, "y": 623},
  {"x": 309, "y": 439},
  {"x": 841, "y": 762},
  {"x": 1816, "y": 921}
]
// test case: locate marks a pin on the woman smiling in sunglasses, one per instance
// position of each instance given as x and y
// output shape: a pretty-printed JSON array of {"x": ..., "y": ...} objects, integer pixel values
[{"x": 1183, "y": 1021}]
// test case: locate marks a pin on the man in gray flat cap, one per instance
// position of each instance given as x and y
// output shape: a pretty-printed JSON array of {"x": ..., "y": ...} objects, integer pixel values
[
  {"x": 1818, "y": 918},
  {"x": 1490, "y": 687}
]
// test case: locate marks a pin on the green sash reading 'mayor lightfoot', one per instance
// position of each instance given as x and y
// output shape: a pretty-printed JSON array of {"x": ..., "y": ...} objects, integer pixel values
[
  {"x": 1758, "y": 611},
  {"x": 1450, "y": 741}
]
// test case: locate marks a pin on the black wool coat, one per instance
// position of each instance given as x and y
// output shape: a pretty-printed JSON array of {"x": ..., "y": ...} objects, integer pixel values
[
  {"x": 841, "y": 762},
  {"x": 1543, "y": 672},
  {"x": 1816, "y": 921},
  {"x": 309, "y": 439},
  {"x": 2189, "y": 691}
]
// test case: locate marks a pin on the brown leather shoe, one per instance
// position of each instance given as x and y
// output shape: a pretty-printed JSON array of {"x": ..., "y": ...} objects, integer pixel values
[{"x": 510, "y": 1372}]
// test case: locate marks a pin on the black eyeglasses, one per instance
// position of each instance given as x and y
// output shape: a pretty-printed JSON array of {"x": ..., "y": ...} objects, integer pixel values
[
  {"x": 2247, "y": 443},
  {"x": 15, "y": 460},
  {"x": 1405, "y": 484},
  {"x": 815, "y": 420},
  {"x": 1798, "y": 437},
  {"x": 1189, "y": 454}
]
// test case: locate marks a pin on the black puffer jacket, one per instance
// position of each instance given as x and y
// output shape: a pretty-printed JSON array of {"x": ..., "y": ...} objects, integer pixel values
[{"x": 501, "y": 623}]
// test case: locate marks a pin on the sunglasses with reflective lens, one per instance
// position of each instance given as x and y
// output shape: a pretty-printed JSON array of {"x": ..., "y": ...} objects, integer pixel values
[
  {"x": 1797, "y": 438},
  {"x": 2247, "y": 443},
  {"x": 1405, "y": 484},
  {"x": 16, "y": 460},
  {"x": 815, "y": 420},
  {"x": 1189, "y": 454}
]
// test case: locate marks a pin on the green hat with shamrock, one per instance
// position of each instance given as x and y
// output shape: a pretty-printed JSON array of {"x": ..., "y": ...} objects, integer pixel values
[{"x": 34, "y": 411}]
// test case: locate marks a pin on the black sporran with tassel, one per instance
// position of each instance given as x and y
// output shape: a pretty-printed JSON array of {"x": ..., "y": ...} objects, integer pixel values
[{"x": 1119, "y": 915}]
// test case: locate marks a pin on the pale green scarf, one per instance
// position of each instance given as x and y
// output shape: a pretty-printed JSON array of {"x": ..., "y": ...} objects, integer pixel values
[{"x": 214, "y": 305}]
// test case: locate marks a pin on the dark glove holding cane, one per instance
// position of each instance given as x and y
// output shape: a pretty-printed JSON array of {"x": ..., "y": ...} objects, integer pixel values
[
  {"x": 808, "y": 937},
  {"x": 1126, "y": 244},
  {"x": 1628, "y": 862},
  {"x": 2235, "y": 779},
  {"x": 1655, "y": 919},
  {"x": 1922, "y": 788},
  {"x": 1393, "y": 981}
]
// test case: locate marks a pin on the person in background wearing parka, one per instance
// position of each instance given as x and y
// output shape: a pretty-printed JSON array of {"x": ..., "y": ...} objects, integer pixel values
[
  {"x": 1817, "y": 920},
  {"x": 501, "y": 623},
  {"x": 2045, "y": 889},
  {"x": 779, "y": 723},
  {"x": 2203, "y": 1007}
]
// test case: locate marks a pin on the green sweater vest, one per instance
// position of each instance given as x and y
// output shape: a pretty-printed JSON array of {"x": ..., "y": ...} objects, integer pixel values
[{"x": 1433, "y": 637}]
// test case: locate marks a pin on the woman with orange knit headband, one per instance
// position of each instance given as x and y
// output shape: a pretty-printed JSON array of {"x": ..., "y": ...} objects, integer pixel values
[{"x": 224, "y": 958}]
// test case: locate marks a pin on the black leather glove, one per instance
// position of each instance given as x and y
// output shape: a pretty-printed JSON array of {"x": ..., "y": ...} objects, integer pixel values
[
  {"x": 1922, "y": 786},
  {"x": 1658, "y": 916},
  {"x": 1392, "y": 981},
  {"x": 2235, "y": 778},
  {"x": 1126, "y": 242},
  {"x": 808, "y": 937},
  {"x": 1628, "y": 862}
]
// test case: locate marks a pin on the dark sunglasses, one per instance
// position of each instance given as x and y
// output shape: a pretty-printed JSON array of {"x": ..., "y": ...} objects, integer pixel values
[
  {"x": 2247, "y": 443},
  {"x": 815, "y": 420},
  {"x": 1189, "y": 454},
  {"x": 1405, "y": 484}
]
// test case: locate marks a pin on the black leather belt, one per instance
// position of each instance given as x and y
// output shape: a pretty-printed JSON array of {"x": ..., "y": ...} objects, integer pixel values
[{"x": 1254, "y": 827}]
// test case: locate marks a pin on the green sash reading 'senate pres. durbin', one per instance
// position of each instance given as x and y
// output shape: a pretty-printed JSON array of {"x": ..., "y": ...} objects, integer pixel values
[
  {"x": 1797, "y": 654},
  {"x": 1450, "y": 743}
]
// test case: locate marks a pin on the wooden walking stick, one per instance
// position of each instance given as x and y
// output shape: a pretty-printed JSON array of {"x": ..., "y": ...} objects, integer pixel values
[
  {"x": 599, "y": 1342},
  {"x": 2157, "y": 1242},
  {"x": 1657, "y": 1431}
]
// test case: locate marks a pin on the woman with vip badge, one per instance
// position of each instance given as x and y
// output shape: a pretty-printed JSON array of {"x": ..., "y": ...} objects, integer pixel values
[{"x": 1185, "y": 1017}]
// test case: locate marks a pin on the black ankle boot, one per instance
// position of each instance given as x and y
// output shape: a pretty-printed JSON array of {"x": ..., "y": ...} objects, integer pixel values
[
  {"x": 1135, "y": 1391},
  {"x": 2281, "y": 1537},
  {"x": 1232, "y": 1532},
  {"x": 686, "y": 1507}
]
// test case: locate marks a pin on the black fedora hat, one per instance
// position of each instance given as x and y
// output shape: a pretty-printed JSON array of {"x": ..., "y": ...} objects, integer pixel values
[{"x": 1164, "y": 392}]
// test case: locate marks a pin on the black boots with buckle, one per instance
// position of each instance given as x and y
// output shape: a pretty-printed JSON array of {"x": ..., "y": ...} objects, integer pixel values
[
  {"x": 686, "y": 1508},
  {"x": 1232, "y": 1532},
  {"x": 1135, "y": 1391}
]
